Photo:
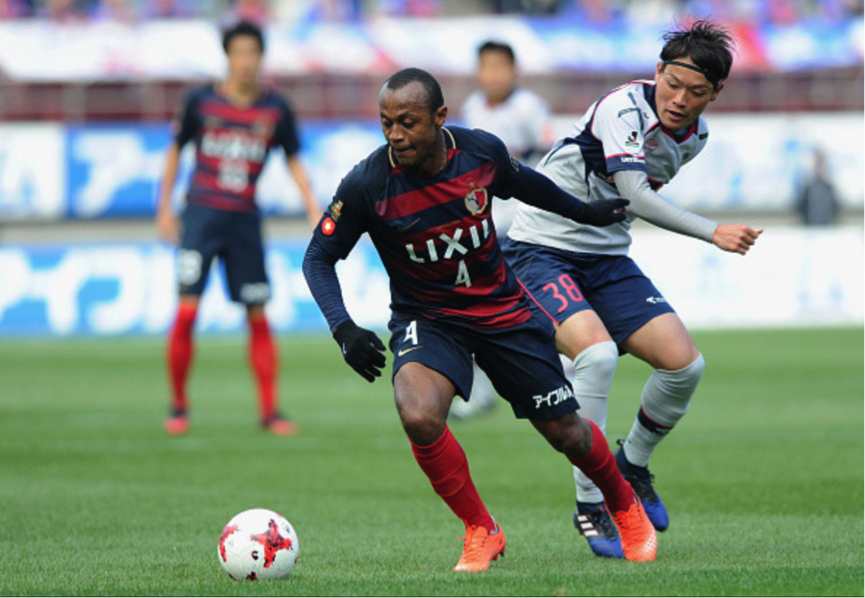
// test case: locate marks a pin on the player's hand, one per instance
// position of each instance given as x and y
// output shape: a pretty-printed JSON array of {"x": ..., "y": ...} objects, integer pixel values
[
  {"x": 361, "y": 348},
  {"x": 168, "y": 226},
  {"x": 735, "y": 238},
  {"x": 604, "y": 212}
]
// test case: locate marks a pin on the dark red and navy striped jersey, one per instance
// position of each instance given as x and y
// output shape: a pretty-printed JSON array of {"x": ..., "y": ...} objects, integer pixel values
[
  {"x": 231, "y": 144},
  {"x": 435, "y": 235}
]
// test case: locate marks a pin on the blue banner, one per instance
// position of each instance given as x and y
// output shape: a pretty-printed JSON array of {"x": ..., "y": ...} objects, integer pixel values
[
  {"x": 114, "y": 170},
  {"x": 131, "y": 289}
]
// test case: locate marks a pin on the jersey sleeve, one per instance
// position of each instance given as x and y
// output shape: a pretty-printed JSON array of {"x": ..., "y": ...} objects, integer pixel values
[
  {"x": 618, "y": 125},
  {"x": 506, "y": 165},
  {"x": 186, "y": 122},
  {"x": 286, "y": 132},
  {"x": 345, "y": 219}
]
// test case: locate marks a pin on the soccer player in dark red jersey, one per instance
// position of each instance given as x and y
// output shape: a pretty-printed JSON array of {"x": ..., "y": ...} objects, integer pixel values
[
  {"x": 233, "y": 125},
  {"x": 425, "y": 199}
]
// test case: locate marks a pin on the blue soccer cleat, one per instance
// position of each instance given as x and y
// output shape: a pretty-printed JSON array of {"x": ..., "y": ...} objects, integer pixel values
[
  {"x": 593, "y": 521},
  {"x": 641, "y": 480}
]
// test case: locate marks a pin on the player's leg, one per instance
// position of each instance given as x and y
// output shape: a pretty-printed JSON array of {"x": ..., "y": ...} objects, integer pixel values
[
  {"x": 248, "y": 284},
  {"x": 198, "y": 246},
  {"x": 587, "y": 345},
  {"x": 430, "y": 366},
  {"x": 642, "y": 323},
  {"x": 264, "y": 362},
  {"x": 551, "y": 276},
  {"x": 179, "y": 355},
  {"x": 665, "y": 344},
  {"x": 525, "y": 369},
  {"x": 584, "y": 445}
]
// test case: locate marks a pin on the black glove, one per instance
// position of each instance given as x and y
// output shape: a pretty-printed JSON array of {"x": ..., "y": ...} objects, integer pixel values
[
  {"x": 361, "y": 348},
  {"x": 603, "y": 212}
]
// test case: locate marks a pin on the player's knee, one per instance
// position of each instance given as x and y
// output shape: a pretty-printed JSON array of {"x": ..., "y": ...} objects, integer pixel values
[
  {"x": 423, "y": 424},
  {"x": 684, "y": 380},
  {"x": 597, "y": 362},
  {"x": 571, "y": 437}
]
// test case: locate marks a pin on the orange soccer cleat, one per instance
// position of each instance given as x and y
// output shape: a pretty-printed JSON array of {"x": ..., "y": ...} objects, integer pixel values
[
  {"x": 177, "y": 423},
  {"x": 281, "y": 426},
  {"x": 481, "y": 547},
  {"x": 639, "y": 542}
]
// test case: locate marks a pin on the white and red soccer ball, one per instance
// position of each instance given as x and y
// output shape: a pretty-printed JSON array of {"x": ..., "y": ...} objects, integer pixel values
[{"x": 258, "y": 544}]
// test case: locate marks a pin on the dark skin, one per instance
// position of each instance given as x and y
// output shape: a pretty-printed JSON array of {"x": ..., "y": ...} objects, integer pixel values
[{"x": 423, "y": 396}]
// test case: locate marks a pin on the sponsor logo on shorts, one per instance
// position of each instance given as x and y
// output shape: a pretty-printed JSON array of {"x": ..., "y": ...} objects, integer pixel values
[
  {"x": 655, "y": 300},
  {"x": 554, "y": 397},
  {"x": 409, "y": 350}
]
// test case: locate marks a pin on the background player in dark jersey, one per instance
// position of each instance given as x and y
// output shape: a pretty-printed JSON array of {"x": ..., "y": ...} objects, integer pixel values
[
  {"x": 425, "y": 199},
  {"x": 233, "y": 125}
]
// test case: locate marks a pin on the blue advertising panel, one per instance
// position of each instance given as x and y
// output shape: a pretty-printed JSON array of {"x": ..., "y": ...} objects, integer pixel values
[
  {"x": 114, "y": 170},
  {"x": 110, "y": 289}
]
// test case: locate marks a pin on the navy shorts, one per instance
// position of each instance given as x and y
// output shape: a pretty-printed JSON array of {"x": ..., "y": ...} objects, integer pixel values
[
  {"x": 233, "y": 237},
  {"x": 521, "y": 361},
  {"x": 563, "y": 283}
]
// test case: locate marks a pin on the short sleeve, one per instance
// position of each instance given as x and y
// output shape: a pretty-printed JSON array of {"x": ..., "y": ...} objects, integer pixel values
[
  {"x": 345, "y": 219},
  {"x": 186, "y": 122},
  {"x": 286, "y": 132},
  {"x": 618, "y": 126}
]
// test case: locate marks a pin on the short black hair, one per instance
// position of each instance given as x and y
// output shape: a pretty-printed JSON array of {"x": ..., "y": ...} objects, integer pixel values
[
  {"x": 707, "y": 44},
  {"x": 434, "y": 96},
  {"x": 242, "y": 28},
  {"x": 494, "y": 46}
]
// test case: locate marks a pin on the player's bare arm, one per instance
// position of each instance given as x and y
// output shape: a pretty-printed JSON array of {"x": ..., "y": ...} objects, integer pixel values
[
  {"x": 167, "y": 224},
  {"x": 310, "y": 205}
]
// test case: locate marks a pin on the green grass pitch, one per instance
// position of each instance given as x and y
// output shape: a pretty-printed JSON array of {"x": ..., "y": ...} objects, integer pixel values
[{"x": 763, "y": 480}]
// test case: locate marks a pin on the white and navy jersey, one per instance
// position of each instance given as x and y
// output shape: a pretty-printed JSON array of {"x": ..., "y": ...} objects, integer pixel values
[
  {"x": 621, "y": 131},
  {"x": 522, "y": 121}
]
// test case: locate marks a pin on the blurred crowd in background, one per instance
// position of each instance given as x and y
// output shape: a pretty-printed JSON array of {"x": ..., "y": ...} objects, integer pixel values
[{"x": 779, "y": 12}]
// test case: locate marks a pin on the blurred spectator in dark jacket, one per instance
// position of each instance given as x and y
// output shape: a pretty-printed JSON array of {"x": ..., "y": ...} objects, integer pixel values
[{"x": 817, "y": 201}]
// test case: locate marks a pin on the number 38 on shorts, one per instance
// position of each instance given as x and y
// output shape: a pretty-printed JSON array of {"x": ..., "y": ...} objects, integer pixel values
[{"x": 563, "y": 290}]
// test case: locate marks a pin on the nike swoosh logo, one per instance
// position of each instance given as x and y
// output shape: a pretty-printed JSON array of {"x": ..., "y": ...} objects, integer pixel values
[
  {"x": 402, "y": 229},
  {"x": 409, "y": 350}
]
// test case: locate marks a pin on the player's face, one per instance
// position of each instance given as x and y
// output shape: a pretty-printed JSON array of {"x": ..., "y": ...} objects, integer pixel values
[
  {"x": 497, "y": 75},
  {"x": 410, "y": 129},
  {"x": 682, "y": 95},
  {"x": 244, "y": 59}
]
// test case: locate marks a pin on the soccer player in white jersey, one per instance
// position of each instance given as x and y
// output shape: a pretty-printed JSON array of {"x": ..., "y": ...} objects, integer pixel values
[
  {"x": 521, "y": 119},
  {"x": 628, "y": 144}
]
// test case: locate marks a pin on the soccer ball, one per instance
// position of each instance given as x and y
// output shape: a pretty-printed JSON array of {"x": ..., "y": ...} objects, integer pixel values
[{"x": 258, "y": 544}]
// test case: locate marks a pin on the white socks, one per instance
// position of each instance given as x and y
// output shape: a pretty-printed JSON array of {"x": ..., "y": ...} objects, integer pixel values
[
  {"x": 594, "y": 371},
  {"x": 666, "y": 398}
]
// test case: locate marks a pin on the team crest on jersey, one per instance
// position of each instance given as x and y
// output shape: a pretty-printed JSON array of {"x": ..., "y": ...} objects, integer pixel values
[
  {"x": 477, "y": 199},
  {"x": 651, "y": 144}
]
